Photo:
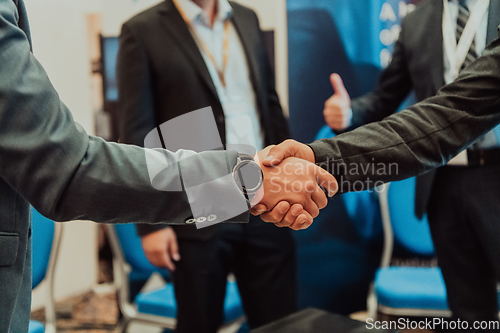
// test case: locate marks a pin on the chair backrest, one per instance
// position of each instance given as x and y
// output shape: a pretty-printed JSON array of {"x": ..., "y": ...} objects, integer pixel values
[
  {"x": 324, "y": 132},
  {"x": 133, "y": 253},
  {"x": 42, "y": 237},
  {"x": 410, "y": 232}
]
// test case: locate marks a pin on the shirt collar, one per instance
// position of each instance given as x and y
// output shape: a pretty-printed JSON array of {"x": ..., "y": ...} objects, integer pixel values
[
  {"x": 193, "y": 12},
  {"x": 468, "y": 3}
]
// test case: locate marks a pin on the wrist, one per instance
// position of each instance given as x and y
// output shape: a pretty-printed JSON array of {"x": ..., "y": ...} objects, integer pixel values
[{"x": 248, "y": 176}]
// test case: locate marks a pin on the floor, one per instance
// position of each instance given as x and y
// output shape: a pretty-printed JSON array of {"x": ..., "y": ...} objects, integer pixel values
[
  {"x": 97, "y": 312},
  {"x": 89, "y": 313}
]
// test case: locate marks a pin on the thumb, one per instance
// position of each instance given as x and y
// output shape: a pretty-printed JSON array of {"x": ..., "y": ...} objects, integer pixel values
[
  {"x": 288, "y": 148},
  {"x": 276, "y": 155},
  {"x": 338, "y": 86}
]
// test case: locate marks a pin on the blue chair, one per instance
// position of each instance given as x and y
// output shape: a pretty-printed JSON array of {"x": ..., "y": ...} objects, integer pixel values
[
  {"x": 406, "y": 291},
  {"x": 157, "y": 307},
  {"x": 36, "y": 327},
  {"x": 46, "y": 239}
]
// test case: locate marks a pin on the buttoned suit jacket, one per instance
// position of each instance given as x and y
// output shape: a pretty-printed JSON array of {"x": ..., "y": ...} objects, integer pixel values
[
  {"x": 417, "y": 64},
  {"x": 48, "y": 160},
  {"x": 162, "y": 75}
]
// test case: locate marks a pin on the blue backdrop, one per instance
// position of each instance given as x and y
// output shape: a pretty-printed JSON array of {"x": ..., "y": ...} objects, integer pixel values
[{"x": 339, "y": 254}]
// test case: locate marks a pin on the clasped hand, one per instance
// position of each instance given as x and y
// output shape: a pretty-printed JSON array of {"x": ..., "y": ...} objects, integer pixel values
[{"x": 291, "y": 195}]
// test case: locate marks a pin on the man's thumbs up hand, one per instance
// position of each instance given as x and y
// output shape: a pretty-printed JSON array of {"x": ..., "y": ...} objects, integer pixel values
[{"x": 337, "y": 110}]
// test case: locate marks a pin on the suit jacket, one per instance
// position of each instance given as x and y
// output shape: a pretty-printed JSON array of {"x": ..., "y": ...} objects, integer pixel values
[
  {"x": 162, "y": 75},
  {"x": 426, "y": 135},
  {"x": 417, "y": 64},
  {"x": 48, "y": 160}
]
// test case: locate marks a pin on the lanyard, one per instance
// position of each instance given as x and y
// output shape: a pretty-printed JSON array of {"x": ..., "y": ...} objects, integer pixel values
[
  {"x": 456, "y": 54},
  {"x": 225, "y": 46}
]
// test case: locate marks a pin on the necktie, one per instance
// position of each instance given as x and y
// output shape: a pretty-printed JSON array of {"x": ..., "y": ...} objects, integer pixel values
[{"x": 463, "y": 17}]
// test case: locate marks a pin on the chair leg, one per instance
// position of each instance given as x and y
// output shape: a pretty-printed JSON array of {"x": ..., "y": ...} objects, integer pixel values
[
  {"x": 372, "y": 303},
  {"x": 122, "y": 325}
]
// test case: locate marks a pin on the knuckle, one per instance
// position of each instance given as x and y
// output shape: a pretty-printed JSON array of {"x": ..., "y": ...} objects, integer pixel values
[{"x": 267, "y": 217}]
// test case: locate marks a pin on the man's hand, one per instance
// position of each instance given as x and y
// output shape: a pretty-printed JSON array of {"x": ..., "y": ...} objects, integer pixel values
[
  {"x": 284, "y": 214},
  {"x": 161, "y": 248},
  {"x": 296, "y": 180},
  {"x": 337, "y": 112}
]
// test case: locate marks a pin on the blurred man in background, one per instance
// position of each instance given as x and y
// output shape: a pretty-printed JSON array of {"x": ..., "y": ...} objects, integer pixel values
[
  {"x": 437, "y": 40},
  {"x": 177, "y": 57}
]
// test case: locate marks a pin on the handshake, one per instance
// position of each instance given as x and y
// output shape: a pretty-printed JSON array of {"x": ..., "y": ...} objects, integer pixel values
[{"x": 294, "y": 188}]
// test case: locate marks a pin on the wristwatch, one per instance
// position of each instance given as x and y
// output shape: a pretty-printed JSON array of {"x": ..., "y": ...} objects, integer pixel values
[{"x": 248, "y": 175}]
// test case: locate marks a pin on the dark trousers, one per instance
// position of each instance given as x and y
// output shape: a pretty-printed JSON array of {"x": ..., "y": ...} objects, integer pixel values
[
  {"x": 464, "y": 217},
  {"x": 261, "y": 256}
]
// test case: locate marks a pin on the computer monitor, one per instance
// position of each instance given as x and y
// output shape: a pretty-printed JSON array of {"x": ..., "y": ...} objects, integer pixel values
[{"x": 109, "y": 53}]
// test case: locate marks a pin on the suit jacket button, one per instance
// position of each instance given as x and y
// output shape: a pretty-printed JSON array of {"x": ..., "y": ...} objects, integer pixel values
[
  {"x": 220, "y": 119},
  {"x": 212, "y": 218},
  {"x": 190, "y": 221},
  {"x": 201, "y": 219}
]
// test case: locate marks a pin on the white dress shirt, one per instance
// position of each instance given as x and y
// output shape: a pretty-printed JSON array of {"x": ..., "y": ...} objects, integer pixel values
[
  {"x": 481, "y": 32},
  {"x": 490, "y": 140},
  {"x": 238, "y": 97}
]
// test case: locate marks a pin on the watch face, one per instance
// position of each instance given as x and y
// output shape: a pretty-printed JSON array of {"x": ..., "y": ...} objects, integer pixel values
[{"x": 250, "y": 176}]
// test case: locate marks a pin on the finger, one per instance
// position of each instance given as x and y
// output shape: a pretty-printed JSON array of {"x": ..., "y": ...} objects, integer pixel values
[
  {"x": 326, "y": 180},
  {"x": 291, "y": 215},
  {"x": 335, "y": 116},
  {"x": 174, "y": 249},
  {"x": 312, "y": 208},
  {"x": 319, "y": 197},
  {"x": 338, "y": 86},
  {"x": 303, "y": 221},
  {"x": 334, "y": 123},
  {"x": 167, "y": 262},
  {"x": 277, "y": 214},
  {"x": 258, "y": 209}
]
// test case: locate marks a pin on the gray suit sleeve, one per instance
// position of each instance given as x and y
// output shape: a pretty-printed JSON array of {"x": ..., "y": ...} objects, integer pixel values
[
  {"x": 67, "y": 174},
  {"x": 137, "y": 115},
  {"x": 424, "y": 136}
]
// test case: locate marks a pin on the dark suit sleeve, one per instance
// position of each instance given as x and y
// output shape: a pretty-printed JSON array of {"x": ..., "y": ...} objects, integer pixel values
[
  {"x": 393, "y": 87},
  {"x": 67, "y": 174},
  {"x": 135, "y": 103},
  {"x": 279, "y": 124},
  {"x": 424, "y": 136}
]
